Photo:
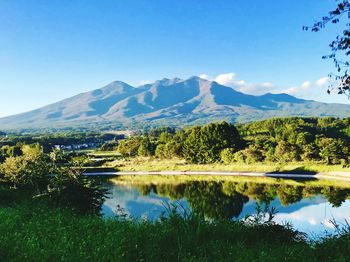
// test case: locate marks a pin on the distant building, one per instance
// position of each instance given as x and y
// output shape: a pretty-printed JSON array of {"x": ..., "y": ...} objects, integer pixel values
[{"x": 72, "y": 147}]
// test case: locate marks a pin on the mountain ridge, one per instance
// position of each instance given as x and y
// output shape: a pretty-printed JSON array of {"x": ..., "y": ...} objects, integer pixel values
[{"x": 167, "y": 102}]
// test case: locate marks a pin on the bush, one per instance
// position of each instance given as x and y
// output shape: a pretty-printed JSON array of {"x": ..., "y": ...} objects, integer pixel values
[
  {"x": 70, "y": 188},
  {"x": 29, "y": 169},
  {"x": 227, "y": 155}
]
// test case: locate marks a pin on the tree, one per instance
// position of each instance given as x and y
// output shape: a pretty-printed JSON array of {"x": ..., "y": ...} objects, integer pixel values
[
  {"x": 70, "y": 188},
  {"x": 129, "y": 147},
  {"x": 286, "y": 152},
  {"x": 204, "y": 144},
  {"x": 28, "y": 169},
  {"x": 168, "y": 150},
  {"x": 332, "y": 150},
  {"x": 227, "y": 155},
  {"x": 340, "y": 47},
  {"x": 146, "y": 147}
]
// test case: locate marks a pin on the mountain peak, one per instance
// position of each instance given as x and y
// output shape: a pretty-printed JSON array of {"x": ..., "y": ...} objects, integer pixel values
[
  {"x": 167, "y": 102},
  {"x": 167, "y": 81},
  {"x": 198, "y": 79}
]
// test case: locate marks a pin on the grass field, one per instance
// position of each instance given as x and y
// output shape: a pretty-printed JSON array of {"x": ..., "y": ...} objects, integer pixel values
[
  {"x": 33, "y": 232},
  {"x": 153, "y": 164}
]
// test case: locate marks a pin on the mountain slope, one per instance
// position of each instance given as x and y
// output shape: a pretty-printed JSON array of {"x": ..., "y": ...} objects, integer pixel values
[{"x": 167, "y": 102}]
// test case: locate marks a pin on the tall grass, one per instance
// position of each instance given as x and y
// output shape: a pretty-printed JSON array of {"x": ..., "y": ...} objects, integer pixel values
[{"x": 31, "y": 231}]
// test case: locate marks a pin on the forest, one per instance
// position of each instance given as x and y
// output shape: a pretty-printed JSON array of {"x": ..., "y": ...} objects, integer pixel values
[{"x": 295, "y": 139}]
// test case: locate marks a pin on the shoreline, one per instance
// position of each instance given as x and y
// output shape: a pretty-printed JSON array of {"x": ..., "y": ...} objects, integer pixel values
[{"x": 344, "y": 176}]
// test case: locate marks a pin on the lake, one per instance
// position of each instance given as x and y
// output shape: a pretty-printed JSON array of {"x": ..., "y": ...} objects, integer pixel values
[{"x": 308, "y": 206}]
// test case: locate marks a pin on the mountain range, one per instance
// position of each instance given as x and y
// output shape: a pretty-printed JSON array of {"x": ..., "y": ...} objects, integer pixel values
[{"x": 173, "y": 102}]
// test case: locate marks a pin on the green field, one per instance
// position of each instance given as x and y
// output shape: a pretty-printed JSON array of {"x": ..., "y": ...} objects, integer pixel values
[
  {"x": 176, "y": 164},
  {"x": 30, "y": 231}
]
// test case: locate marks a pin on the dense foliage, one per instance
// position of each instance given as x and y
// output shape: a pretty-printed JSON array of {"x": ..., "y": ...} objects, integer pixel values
[
  {"x": 282, "y": 140},
  {"x": 49, "y": 140},
  {"x": 52, "y": 176}
]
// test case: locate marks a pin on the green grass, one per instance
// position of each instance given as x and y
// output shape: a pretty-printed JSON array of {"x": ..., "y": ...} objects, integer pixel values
[
  {"x": 33, "y": 232},
  {"x": 153, "y": 164},
  {"x": 104, "y": 153}
]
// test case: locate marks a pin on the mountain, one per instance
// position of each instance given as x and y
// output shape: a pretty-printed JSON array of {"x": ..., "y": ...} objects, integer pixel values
[{"x": 166, "y": 102}]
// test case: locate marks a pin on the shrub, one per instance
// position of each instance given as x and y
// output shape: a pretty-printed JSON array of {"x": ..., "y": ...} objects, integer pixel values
[
  {"x": 227, "y": 155},
  {"x": 70, "y": 188}
]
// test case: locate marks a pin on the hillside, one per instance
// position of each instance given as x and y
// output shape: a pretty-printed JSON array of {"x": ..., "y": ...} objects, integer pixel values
[{"x": 166, "y": 102}]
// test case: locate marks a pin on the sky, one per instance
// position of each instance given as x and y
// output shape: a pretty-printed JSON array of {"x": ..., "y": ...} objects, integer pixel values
[{"x": 51, "y": 50}]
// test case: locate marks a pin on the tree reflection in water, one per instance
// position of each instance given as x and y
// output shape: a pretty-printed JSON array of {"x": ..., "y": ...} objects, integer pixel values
[{"x": 225, "y": 200}]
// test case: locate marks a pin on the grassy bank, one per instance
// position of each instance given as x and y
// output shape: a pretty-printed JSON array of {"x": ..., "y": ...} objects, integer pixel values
[
  {"x": 31, "y": 229},
  {"x": 34, "y": 232},
  {"x": 153, "y": 164},
  {"x": 177, "y": 179}
]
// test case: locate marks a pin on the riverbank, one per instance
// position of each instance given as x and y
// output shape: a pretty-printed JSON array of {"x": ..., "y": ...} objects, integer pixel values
[
  {"x": 147, "y": 166},
  {"x": 176, "y": 164},
  {"x": 178, "y": 179},
  {"x": 215, "y": 175},
  {"x": 34, "y": 232}
]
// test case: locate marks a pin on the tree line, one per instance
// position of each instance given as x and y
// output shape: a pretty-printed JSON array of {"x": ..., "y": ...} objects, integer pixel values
[{"x": 281, "y": 140}]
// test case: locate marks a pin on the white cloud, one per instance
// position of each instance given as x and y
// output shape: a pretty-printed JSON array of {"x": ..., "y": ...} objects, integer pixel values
[
  {"x": 241, "y": 83},
  {"x": 227, "y": 79},
  {"x": 291, "y": 91},
  {"x": 145, "y": 82},
  {"x": 267, "y": 84},
  {"x": 298, "y": 90},
  {"x": 306, "y": 84},
  {"x": 204, "y": 76},
  {"x": 306, "y": 89},
  {"x": 322, "y": 81}
]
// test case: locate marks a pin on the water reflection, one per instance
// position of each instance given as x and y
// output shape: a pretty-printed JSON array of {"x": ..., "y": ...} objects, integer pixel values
[{"x": 308, "y": 208}]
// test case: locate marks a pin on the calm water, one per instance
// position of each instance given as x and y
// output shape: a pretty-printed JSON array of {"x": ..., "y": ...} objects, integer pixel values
[{"x": 308, "y": 208}]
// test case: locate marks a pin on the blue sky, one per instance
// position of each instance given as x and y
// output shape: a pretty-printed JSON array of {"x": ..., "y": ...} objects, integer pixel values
[{"x": 50, "y": 50}]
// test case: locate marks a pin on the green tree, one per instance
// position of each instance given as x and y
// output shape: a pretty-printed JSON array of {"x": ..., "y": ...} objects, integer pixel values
[
  {"x": 332, "y": 150},
  {"x": 28, "y": 169},
  {"x": 252, "y": 154},
  {"x": 286, "y": 152},
  {"x": 146, "y": 147},
  {"x": 129, "y": 147},
  {"x": 204, "y": 144},
  {"x": 227, "y": 155},
  {"x": 70, "y": 188}
]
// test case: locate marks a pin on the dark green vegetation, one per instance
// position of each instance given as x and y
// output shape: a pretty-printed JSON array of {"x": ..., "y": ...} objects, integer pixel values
[
  {"x": 31, "y": 230},
  {"x": 225, "y": 199},
  {"x": 51, "y": 177},
  {"x": 49, "y": 140},
  {"x": 282, "y": 140},
  {"x": 167, "y": 102}
]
